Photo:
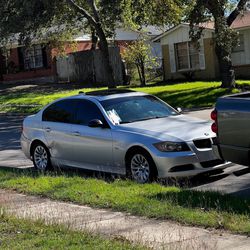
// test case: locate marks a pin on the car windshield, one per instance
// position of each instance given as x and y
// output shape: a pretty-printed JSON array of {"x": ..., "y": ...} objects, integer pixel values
[{"x": 137, "y": 108}]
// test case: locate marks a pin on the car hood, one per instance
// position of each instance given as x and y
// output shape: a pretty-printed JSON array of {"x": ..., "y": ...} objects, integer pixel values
[{"x": 179, "y": 128}]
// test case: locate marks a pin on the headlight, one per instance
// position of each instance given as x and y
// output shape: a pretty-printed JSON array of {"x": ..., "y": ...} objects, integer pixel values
[{"x": 172, "y": 146}]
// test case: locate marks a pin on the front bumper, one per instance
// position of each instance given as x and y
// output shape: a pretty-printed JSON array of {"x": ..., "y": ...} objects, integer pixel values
[{"x": 188, "y": 164}]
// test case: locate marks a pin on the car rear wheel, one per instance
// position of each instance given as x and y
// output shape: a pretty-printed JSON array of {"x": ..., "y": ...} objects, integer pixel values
[
  {"x": 41, "y": 157},
  {"x": 141, "y": 167}
]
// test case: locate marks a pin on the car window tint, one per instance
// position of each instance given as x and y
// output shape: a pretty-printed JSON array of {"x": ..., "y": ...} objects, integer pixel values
[
  {"x": 62, "y": 111},
  {"x": 87, "y": 111}
]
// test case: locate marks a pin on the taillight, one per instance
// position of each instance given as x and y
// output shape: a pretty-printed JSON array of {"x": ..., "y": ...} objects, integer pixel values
[
  {"x": 214, "y": 128},
  {"x": 214, "y": 115}
]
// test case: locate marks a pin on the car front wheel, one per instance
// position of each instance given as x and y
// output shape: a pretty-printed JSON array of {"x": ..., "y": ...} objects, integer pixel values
[
  {"x": 41, "y": 157},
  {"x": 141, "y": 167}
]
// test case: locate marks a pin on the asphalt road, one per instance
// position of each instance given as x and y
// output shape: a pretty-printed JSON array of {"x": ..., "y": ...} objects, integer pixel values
[
  {"x": 234, "y": 180},
  {"x": 10, "y": 149}
]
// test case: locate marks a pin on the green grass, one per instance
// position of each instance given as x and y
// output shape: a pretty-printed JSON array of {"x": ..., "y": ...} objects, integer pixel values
[
  {"x": 25, "y": 234},
  {"x": 185, "y": 95},
  {"x": 206, "y": 209}
]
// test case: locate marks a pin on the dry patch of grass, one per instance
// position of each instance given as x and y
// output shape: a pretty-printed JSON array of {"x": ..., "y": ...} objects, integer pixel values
[{"x": 27, "y": 234}]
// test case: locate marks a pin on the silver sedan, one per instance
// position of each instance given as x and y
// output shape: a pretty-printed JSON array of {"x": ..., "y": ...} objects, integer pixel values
[{"x": 123, "y": 132}]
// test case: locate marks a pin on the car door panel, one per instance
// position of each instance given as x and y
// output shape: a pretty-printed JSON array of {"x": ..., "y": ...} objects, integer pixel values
[
  {"x": 59, "y": 140},
  {"x": 93, "y": 148}
]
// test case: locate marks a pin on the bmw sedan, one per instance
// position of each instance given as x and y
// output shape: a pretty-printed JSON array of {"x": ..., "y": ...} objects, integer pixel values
[{"x": 122, "y": 132}]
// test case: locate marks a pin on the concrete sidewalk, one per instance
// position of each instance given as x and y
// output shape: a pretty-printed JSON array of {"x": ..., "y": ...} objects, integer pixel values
[{"x": 157, "y": 234}]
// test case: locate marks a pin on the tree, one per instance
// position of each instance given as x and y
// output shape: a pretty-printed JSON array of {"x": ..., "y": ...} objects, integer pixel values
[
  {"x": 139, "y": 54},
  {"x": 33, "y": 19},
  {"x": 44, "y": 18},
  {"x": 223, "y": 13}
]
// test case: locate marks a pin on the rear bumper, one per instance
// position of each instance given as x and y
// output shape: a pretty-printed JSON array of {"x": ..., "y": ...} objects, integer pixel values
[
  {"x": 216, "y": 151},
  {"x": 234, "y": 154},
  {"x": 25, "y": 145}
]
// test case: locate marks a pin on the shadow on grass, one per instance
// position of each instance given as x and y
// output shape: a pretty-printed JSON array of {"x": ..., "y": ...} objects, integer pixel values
[
  {"x": 200, "y": 97},
  {"x": 195, "y": 181},
  {"x": 56, "y": 172},
  {"x": 186, "y": 98},
  {"x": 205, "y": 201}
]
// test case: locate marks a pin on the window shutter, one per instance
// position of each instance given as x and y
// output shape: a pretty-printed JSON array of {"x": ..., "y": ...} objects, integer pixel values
[
  {"x": 172, "y": 58},
  {"x": 45, "y": 58},
  {"x": 202, "y": 55},
  {"x": 20, "y": 51}
]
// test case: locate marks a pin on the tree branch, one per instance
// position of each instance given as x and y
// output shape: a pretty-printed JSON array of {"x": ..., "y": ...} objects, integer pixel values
[
  {"x": 94, "y": 9},
  {"x": 82, "y": 11},
  {"x": 240, "y": 6}
]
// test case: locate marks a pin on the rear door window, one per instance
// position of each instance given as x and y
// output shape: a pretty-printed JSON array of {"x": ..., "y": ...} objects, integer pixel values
[{"x": 62, "y": 111}]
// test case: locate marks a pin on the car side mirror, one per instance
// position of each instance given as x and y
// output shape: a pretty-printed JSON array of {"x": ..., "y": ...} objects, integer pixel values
[
  {"x": 95, "y": 124},
  {"x": 179, "y": 110}
]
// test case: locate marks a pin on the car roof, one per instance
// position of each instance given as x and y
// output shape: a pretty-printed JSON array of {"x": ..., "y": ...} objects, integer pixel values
[{"x": 102, "y": 95}]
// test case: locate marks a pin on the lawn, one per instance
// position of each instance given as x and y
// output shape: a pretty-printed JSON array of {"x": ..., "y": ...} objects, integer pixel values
[
  {"x": 206, "y": 209},
  {"x": 25, "y": 234},
  {"x": 184, "y": 95}
]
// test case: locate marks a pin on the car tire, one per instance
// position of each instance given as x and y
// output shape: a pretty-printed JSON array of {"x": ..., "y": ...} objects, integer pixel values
[
  {"x": 141, "y": 167},
  {"x": 41, "y": 157}
]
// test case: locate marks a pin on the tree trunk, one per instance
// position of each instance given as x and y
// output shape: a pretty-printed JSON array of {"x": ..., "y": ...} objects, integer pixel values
[
  {"x": 139, "y": 72},
  {"x": 103, "y": 44},
  {"x": 143, "y": 82},
  {"x": 226, "y": 68},
  {"x": 94, "y": 39},
  {"x": 94, "y": 21},
  {"x": 2, "y": 65}
]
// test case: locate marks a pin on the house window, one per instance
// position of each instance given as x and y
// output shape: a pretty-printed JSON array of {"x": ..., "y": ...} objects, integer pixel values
[
  {"x": 241, "y": 46},
  {"x": 187, "y": 55},
  {"x": 33, "y": 57}
]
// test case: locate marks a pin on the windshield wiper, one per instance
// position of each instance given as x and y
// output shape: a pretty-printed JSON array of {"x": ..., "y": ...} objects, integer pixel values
[{"x": 144, "y": 119}]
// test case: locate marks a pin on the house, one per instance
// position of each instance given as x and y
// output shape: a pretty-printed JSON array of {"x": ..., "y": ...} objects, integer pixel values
[
  {"x": 38, "y": 62},
  {"x": 184, "y": 59},
  {"x": 123, "y": 37},
  {"x": 35, "y": 63}
]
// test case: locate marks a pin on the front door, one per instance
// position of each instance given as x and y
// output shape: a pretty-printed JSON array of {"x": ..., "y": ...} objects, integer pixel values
[{"x": 92, "y": 147}]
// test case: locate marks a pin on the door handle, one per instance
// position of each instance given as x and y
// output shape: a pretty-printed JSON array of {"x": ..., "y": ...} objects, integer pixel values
[
  {"x": 76, "y": 133},
  {"x": 48, "y": 130}
]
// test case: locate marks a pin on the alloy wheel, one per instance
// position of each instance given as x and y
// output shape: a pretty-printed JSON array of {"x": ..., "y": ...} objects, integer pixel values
[
  {"x": 41, "y": 158},
  {"x": 140, "y": 168}
]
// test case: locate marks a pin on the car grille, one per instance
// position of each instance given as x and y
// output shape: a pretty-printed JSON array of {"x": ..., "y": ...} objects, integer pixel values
[
  {"x": 204, "y": 143},
  {"x": 210, "y": 164}
]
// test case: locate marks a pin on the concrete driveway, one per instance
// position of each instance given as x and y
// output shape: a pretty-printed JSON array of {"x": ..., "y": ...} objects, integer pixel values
[{"x": 234, "y": 180}]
